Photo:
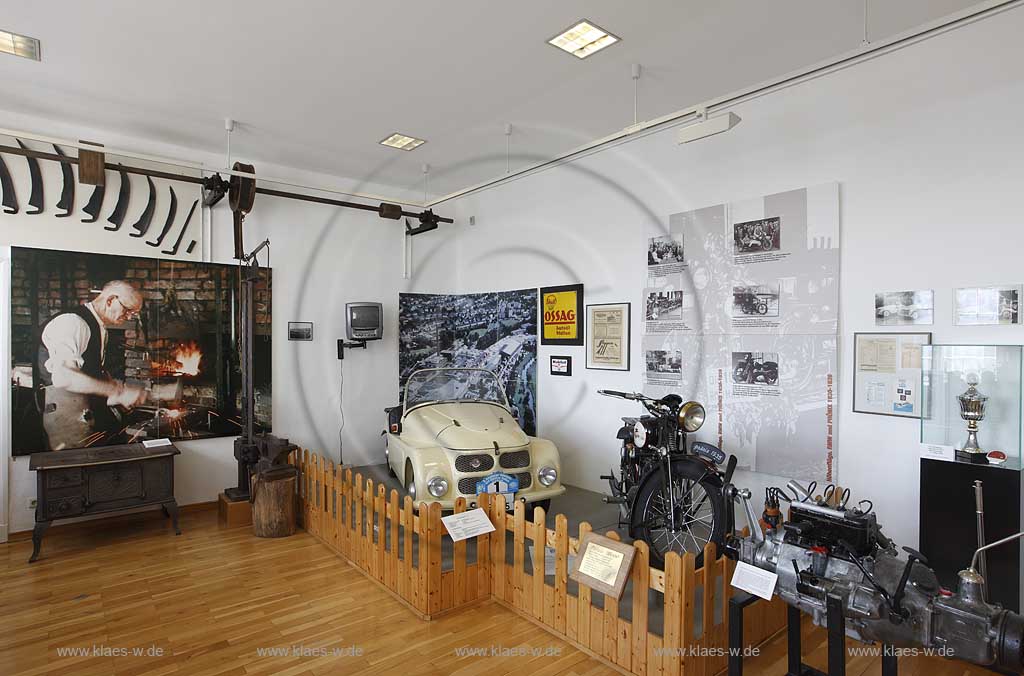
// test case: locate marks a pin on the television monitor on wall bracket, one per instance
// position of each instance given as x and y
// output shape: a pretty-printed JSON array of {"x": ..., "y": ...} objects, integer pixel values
[{"x": 364, "y": 321}]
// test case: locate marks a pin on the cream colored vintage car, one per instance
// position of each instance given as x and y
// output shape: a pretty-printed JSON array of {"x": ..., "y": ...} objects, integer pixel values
[{"x": 456, "y": 435}]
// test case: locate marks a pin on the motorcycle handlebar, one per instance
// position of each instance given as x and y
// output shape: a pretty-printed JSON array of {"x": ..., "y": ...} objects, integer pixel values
[{"x": 616, "y": 393}]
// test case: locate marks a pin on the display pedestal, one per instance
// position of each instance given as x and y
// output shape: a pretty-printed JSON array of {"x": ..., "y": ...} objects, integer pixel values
[
  {"x": 795, "y": 665},
  {"x": 232, "y": 514},
  {"x": 949, "y": 530}
]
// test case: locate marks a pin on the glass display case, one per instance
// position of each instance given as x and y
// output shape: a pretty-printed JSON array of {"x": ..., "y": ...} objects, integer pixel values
[{"x": 971, "y": 401}]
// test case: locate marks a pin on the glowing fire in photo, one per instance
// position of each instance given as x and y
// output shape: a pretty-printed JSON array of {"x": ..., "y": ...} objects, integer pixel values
[{"x": 184, "y": 360}]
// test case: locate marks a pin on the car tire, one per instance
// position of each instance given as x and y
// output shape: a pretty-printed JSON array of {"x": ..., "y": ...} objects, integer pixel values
[
  {"x": 543, "y": 504},
  {"x": 387, "y": 460},
  {"x": 410, "y": 481}
]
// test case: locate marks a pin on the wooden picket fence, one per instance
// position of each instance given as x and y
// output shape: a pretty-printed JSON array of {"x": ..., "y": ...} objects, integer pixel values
[{"x": 382, "y": 535}]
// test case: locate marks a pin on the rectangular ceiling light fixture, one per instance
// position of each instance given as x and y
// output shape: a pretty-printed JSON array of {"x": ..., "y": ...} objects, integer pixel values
[
  {"x": 402, "y": 142},
  {"x": 19, "y": 45},
  {"x": 583, "y": 39},
  {"x": 709, "y": 126}
]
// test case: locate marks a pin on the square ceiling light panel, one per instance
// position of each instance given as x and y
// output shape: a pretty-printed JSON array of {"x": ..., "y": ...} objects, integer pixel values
[
  {"x": 402, "y": 142},
  {"x": 19, "y": 45},
  {"x": 583, "y": 39}
]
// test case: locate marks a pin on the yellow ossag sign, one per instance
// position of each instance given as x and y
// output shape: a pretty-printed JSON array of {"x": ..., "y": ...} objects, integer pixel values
[{"x": 560, "y": 319}]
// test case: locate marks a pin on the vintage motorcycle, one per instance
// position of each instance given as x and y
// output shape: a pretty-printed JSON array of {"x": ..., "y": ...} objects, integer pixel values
[
  {"x": 756, "y": 371},
  {"x": 682, "y": 514},
  {"x": 751, "y": 304}
]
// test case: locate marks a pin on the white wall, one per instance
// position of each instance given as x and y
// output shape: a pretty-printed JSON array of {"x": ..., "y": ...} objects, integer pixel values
[
  {"x": 322, "y": 257},
  {"x": 926, "y": 144}
]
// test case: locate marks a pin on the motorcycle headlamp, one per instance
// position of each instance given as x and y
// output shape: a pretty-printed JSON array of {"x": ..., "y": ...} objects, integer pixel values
[
  {"x": 691, "y": 416},
  {"x": 639, "y": 434}
]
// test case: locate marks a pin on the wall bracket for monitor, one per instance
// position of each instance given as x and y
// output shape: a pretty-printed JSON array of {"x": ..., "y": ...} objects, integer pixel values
[{"x": 352, "y": 345}]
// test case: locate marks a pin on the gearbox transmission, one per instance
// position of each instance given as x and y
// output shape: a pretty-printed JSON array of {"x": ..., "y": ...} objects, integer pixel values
[{"x": 825, "y": 551}]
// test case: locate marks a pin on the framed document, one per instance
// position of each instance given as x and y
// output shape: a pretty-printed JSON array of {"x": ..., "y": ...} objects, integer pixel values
[
  {"x": 608, "y": 336},
  {"x": 887, "y": 373},
  {"x": 562, "y": 322},
  {"x": 603, "y": 564}
]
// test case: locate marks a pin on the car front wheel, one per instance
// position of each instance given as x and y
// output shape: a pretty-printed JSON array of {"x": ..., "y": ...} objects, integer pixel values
[{"x": 543, "y": 504}]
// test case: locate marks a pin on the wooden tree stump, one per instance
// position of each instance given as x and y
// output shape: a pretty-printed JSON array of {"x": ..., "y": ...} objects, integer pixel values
[{"x": 273, "y": 508}]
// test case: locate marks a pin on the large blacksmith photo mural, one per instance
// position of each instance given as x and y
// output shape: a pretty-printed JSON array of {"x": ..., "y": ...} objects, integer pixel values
[{"x": 120, "y": 349}]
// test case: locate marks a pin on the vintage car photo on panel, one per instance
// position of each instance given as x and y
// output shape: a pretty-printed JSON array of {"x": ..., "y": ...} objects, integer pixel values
[
  {"x": 760, "y": 236},
  {"x": 665, "y": 250},
  {"x": 664, "y": 364},
  {"x": 755, "y": 368},
  {"x": 902, "y": 308},
  {"x": 662, "y": 305},
  {"x": 757, "y": 300}
]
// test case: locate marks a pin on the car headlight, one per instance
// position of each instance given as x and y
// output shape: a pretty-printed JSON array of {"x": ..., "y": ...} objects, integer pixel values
[
  {"x": 547, "y": 476},
  {"x": 437, "y": 486},
  {"x": 691, "y": 416},
  {"x": 639, "y": 434}
]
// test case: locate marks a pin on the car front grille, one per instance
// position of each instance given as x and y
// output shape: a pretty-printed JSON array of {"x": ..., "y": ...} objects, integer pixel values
[
  {"x": 464, "y": 463},
  {"x": 467, "y": 485},
  {"x": 514, "y": 460}
]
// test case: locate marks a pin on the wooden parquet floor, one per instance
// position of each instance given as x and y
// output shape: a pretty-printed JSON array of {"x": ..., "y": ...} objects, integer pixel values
[
  {"x": 131, "y": 599},
  {"x": 211, "y": 600}
]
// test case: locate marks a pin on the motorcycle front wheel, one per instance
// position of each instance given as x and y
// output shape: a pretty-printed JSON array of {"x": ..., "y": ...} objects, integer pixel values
[{"x": 699, "y": 513}]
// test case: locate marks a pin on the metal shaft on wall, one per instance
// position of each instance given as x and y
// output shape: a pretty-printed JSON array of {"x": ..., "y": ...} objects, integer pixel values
[{"x": 384, "y": 209}]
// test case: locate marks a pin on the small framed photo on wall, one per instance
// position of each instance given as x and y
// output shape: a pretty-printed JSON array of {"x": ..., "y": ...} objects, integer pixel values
[
  {"x": 300, "y": 330},
  {"x": 607, "y": 334}
]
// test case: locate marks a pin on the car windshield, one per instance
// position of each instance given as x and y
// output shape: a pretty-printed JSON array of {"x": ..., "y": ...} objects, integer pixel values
[{"x": 448, "y": 385}]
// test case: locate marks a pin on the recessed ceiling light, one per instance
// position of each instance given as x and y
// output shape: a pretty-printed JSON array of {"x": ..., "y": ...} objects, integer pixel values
[
  {"x": 19, "y": 45},
  {"x": 583, "y": 39},
  {"x": 402, "y": 142}
]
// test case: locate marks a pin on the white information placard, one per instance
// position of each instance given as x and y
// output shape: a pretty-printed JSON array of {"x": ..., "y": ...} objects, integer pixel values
[
  {"x": 601, "y": 563},
  {"x": 467, "y": 524},
  {"x": 754, "y": 580},
  {"x": 938, "y": 452},
  {"x": 153, "y": 443}
]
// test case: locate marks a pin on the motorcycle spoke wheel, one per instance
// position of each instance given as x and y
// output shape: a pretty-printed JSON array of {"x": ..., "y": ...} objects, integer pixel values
[{"x": 693, "y": 516}]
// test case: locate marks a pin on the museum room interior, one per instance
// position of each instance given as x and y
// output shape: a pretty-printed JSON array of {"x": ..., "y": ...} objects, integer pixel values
[{"x": 547, "y": 338}]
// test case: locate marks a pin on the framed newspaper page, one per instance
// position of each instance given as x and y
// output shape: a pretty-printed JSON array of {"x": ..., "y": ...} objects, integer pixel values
[{"x": 608, "y": 336}]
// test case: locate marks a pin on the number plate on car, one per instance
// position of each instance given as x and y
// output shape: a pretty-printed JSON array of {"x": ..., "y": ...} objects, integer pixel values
[{"x": 502, "y": 483}]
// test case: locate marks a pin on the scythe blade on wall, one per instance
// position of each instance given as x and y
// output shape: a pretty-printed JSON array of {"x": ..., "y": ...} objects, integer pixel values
[
  {"x": 35, "y": 199},
  {"x": 10, "y": 200},
  {"x": 67, "y": 193},
  {"x": 123, "y": 197}
]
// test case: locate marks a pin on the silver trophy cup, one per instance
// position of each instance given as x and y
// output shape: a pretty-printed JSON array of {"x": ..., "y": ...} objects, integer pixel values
[{"x": 972, "y": 409}]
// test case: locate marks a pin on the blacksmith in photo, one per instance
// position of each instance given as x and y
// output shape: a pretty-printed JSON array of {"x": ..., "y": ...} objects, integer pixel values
[{"x": 79, "y": 395}]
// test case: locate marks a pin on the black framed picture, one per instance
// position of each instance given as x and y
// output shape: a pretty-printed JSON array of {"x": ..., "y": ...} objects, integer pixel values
[
  {"x": 562, "y": 321},
  {"x": 300, "y": 330},
  {"x": 561, "y": 365}
]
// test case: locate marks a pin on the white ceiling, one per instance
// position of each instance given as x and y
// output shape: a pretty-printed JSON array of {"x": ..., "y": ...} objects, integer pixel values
[{"x": 315, "y": 84}]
